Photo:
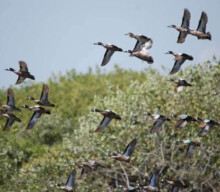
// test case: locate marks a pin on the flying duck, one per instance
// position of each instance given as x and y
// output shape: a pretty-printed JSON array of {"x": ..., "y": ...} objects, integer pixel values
[
  {"x": 159, "y": 120},
  {"x": 206, "y": 125},
  {"x": 43, "y": 98},
  {"x": 109, "y": 52},
  {"x": 10, "y": 105},
  {"x": 69, "y": 183},
  {"x": 153, "y": 182},
  {"x": 183, "y": 29},
  {"x": 11, "y": 118},
  {"x": 108, "y": 116},
  {"x": 183, "y": 120},
  {"x": 38, "y": 111},
  {"x": 141, "y": 39},
  {"x": 181, "y": 83},
  {"x": 191, "y": 146},
  {"x": 89, "y": 167},
  {"x": 200, "y": 33},
  {"x": 180, "y": 58},
  {"x": 23, "y": 73},
  {"x": 143, "y": 53},
  {"x": 126, "y": 156}
]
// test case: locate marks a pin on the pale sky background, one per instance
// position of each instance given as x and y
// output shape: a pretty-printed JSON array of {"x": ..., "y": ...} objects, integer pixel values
[{"x": 54, "y": 36}]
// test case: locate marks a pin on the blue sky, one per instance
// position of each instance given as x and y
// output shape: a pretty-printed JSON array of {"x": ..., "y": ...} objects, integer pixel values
[{"x": 54, "y": 36}]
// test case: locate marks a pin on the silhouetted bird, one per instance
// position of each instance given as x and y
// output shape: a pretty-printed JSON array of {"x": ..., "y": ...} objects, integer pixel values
[
  {"x": 43, "y": 98},
  {"x": 180, "y": 58},
  {"x": 23, "y": 73},
  {"x": 108, "y": 116},
  {"x": 184, "y": 26},
  {"x": 109, "y": 52}
]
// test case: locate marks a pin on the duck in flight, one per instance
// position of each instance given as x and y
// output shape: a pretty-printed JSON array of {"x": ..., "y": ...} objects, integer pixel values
[
  {"x": 70, "y": 182},
  {"x": 184, "y": 28},
  {"x": 141, "y": 39},
  {"x": 44, "y": 101},
  {"x": 108, "y": 116},
  {"x": 191, "y": 146},
  {"x": 143, "y": 53},
  {"x": 206, "y": 125},
  {"x": 153, "y": 186},
  {"x": 200, "y": 32},
  {"x": 23, "y": 73},
  {"x": 126, "y": 156},
  {"x": 181, "y": 83},
  {"x": 179, "y": 58},
  {"x": 183, "y": 120},
  {"x": 109, "y": 52},
  {"x": 10, "y": 105},
  {"x": 11, "y": 118},
  {"x": 38, "y": 111},
  {"x": 159, "y": 120}
]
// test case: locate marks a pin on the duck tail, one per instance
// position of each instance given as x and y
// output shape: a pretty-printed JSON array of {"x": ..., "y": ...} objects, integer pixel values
[
  {"x": 32, "y": 77},
  {"x": 47, "y": 111}
]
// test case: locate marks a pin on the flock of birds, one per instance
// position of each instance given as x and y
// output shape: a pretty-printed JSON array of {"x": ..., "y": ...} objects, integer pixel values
[{"x": 141, "y": 51}]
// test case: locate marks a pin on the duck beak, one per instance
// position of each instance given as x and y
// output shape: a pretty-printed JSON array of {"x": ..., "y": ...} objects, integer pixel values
[{"x": 166, "y": 53}]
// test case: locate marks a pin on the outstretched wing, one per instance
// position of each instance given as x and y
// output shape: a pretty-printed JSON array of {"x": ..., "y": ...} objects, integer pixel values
[
  {"x": 146, "y": 46},
  {"x": 107, "y": 56},
  {"x": 20, "y": 80},
  {"x": 71, "y": 178},
  {"x": 105, "y": 121},
  {"x": 190, "y": 150},
  {"x": 153, "y": 179},
  {"x": 10, "y": 98},
  {"x": 181, "y": 37},
  {"x": 157, "y": 124},
  {"x": 44, "y": 93},
  {"x": 33, "y": 120},
  {"x": 202, "y": 22},
  {"x": 177, "y": 66},
  {"x": 23, "y": 66},
  {"x": 8, "y": 124},
  {"x": 186, "y": 19},
  {"x": 137, "y": 46},
  {"x": 130, "y": 148}
]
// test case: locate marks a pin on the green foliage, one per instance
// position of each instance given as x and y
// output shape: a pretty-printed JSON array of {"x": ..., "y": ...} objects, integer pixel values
[{"x": 39, "y": 159}]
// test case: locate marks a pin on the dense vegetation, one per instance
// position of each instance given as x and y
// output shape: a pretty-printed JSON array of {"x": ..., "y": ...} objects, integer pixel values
[{"x": 39, "y": 159}]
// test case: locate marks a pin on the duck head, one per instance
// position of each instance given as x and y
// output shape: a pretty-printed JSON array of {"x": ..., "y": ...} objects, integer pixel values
[
  {"x": 169, "y": 52},
  {"x": 172, "y": 26},
  {"x": 98, "y": 43},
  {"x": 9, "y": 69}
]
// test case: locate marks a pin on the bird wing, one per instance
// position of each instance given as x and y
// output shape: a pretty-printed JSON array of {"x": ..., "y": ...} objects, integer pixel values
[
  {"x": 157, "y": 124},
  {"x": 107, "y": 56},
  {"x": 20, "y": 80},
  {"x": 137, "y": 46},
  {"x": 146, "y": 46},
  {"x": 202, "y": 22},
  {"x": 186, "y": 19},
  {"x": 190, "y": 150},
  {"x": 177, "y": 66},
  {"x": 180, "y": 123},
  {"x": 23, "y": 66},
  {"x": 44, "y": 93},
  {"x": 153, "y": 179},
  {"x": 130, "y": 148},
  {"x": 8, "y": 124},
  {"x": 10, "y": 98},
  {"x": 204, "y": 130},
  {"x": 181, "y": 37},
  {"x": 71, "y": 178},
  {"x": 86, "y": 169},
  {"x": 105, "y": 121},
  {"x": 33, "y": 120}
]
